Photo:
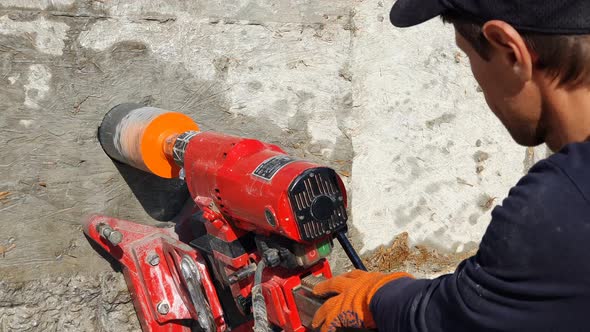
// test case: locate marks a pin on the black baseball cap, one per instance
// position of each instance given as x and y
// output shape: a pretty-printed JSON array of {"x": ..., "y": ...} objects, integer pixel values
[{"x": 542, "y": 16}]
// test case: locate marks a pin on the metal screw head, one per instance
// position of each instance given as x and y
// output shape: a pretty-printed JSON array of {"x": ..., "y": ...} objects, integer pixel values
[
  {"x": 154, "y": 259},
  {"x": 115, "y": 237},
  {"x": 163, "y": 308}
]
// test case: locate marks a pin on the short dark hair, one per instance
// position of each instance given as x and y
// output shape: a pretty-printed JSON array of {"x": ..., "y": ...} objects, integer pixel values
[{"x": 565, "y": 58}]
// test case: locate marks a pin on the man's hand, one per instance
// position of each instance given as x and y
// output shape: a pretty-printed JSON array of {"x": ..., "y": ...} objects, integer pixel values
[{"x": 349, "y": 307}]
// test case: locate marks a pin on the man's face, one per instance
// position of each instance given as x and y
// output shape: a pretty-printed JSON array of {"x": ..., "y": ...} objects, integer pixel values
[{"x": 516, "y": 103}]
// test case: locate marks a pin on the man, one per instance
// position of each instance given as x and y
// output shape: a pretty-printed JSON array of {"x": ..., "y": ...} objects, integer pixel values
[{"x": 532, "y": 271}]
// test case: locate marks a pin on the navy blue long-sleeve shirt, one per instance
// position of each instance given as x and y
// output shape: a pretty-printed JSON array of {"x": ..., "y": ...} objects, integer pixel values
[{"x": 532, "y": 269}]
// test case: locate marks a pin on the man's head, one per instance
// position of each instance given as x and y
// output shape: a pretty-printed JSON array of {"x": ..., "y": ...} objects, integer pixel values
[{"x": 522, "y": 53}]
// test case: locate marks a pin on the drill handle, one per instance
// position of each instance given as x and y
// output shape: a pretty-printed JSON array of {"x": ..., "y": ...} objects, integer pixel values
[{"x": 308, "y": 304}]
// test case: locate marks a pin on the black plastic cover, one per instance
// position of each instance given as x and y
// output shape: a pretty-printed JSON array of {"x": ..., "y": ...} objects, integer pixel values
[{"x": 318, "y": 203}]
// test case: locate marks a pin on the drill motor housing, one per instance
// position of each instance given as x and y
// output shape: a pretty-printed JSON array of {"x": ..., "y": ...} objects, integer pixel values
[{"x": 259, "y": 188}]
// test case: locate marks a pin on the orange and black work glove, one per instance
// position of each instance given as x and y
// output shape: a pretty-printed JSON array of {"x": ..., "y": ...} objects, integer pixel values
[{"x": 349, "y": 307}]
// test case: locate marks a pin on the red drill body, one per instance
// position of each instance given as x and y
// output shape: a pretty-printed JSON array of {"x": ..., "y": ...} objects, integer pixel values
[{"x": 223, "y": 167}]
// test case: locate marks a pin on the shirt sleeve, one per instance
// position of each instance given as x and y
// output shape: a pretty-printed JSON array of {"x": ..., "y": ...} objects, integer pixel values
[{"x": 526, "y": 275}]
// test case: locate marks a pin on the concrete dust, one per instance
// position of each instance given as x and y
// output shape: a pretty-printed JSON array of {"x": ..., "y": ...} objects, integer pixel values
[{"x": 420, "y": 261}]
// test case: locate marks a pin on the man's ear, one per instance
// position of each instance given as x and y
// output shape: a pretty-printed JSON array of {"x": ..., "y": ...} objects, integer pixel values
[{"x": 506, "y": 41}]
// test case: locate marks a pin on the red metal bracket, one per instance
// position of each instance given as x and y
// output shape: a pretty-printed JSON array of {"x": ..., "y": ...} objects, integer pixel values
[
  {"x": 152, "y": 260},
  {"x": 278, "y": 285}
]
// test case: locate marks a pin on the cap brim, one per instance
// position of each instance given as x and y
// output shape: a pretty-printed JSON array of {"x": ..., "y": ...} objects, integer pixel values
[{"x": 407, "y": 13}]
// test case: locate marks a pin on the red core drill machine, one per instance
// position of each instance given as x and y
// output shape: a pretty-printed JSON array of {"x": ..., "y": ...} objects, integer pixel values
[{"x": 269, "y": 221}]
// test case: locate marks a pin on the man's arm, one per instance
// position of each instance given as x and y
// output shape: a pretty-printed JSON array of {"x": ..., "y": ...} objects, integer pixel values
[{"x": 526, "y": 275}]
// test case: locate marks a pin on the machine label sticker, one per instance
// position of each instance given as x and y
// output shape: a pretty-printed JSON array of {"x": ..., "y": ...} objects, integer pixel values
[{"x": 268, "y": 168}]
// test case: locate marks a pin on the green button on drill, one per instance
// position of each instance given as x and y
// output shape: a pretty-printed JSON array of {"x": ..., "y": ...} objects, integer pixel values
[{"x": 324, "y": 249}]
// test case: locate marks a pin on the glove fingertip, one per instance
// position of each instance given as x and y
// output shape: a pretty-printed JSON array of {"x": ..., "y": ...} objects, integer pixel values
[
  {"x": 317, "y": 321},
  {"x": 321, "y": 315}
]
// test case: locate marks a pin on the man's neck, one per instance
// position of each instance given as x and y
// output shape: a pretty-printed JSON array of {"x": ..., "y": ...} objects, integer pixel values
[{"x": 567, "y": 116}]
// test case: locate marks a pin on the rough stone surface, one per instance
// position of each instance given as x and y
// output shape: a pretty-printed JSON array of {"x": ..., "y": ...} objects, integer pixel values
[
  {"x": 79, "y": 303},
  {"x": 395, "y": 112}
]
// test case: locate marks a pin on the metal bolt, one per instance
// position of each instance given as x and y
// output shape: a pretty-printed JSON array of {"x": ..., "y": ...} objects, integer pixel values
[
  {"x": 163, "y": 308},
  {"x": 154, "y": 259},
  {"x": 113, "y": 236}
]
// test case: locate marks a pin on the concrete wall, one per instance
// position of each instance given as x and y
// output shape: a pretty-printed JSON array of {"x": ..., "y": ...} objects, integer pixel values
[
  {"x": 396, "y": 112},
  {"x": 429, "y": 156}
]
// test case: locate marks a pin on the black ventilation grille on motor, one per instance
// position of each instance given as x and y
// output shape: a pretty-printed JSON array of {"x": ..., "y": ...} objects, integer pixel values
[{"x": 318, "y": 203}]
